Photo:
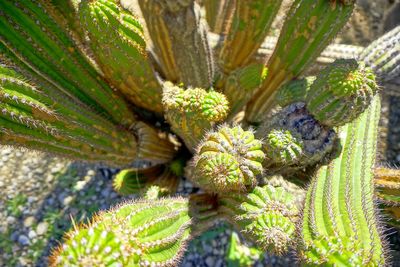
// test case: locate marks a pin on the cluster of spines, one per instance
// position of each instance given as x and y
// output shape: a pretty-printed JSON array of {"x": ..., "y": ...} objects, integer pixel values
[
  {"x": 140, "y": 180},
  {"x": 32, "y": 119},
  {"x": 339, "y": 224},
  {"x": 267, "y": 215},
  {"x": 181, "y": 46},
  {"x": 29, "y": 33},
  {"x": 117, "y": 38},
  {"x": 193, "y": 112},
  {"x": 250, "y": 25},
  {"x": 341, "y": 92},
  {"x": 228, "y": 159},
  {"x": 308, "y": 29}
]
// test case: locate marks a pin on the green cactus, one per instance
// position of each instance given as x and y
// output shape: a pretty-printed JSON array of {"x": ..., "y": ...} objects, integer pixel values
[
  {"x": 294, "y": 91},
  {"x": 250, "y": 25},
  {"x": 138, "y": 233},
  {"x": 67, "y": 69},
  {"x": 308, "y": 29},
  {"x": 267, "y": 215},
  {"x": 341, "y": 92},
  {"x": 228, "y": 160},
  {"x": 117, "y": 37},
  {"x": 193, "y": 112},
  {"x": 294, "y": 139},
  {"x": 383, "y": 55},
  {"x": 29, "y": 33},
  {"x": 136, "y": 180},
  {"x": 339, "y": 225},
  {"x": 182, "y": 47}
]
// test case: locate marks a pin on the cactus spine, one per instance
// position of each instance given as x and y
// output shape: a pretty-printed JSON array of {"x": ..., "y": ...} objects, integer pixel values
[
  {"x": 181, "y": 46},
  {"x": 117, "y": 37},
  {"x": 308, "y": 29},
  {"x": 339, "y": 225},
  {"x": 30, "y": 34},
  {"x": 267, "y": 215},
  {"x": 228, "y": 160},
  {"x": 193, "y": 112}
]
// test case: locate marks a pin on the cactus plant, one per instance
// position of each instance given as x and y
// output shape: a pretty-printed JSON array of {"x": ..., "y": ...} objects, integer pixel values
[{"x": 288, "y": 160}]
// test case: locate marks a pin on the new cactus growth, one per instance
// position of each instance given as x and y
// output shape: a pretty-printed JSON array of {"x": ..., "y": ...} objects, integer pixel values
[
  {"x": 193, "y": 112},
  {"x": 228, "y": 160},
  {"x": 341, "y": 92},
  {"x": 266, "y": 214},
  {"x": 301, "y": 180},
  {"x": 339, "y": 225}
]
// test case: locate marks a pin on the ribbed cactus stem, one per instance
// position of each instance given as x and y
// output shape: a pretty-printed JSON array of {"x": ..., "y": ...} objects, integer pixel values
[
  {"x": 308, "y": 29},
  {"x": 193, "y": 112},
  {"x": 267, "y": 215},
  {"x": 339, "y": 225},
  {"x": 31, "y": 34},
  {"x": 294, "y": 91},
  {"x": 32, "y": 119},
  {"x": 341, "y": 92},
  {"x": 228, "y": 159},
  {"x": 180, "y": 41},
  {"x": 137, "y": 233},
  {"x": 294, "y": 139},
  {"x": 139, "y": 180},
  {"x": 383, "y": 55},
  {"x": 250, "y": 25},
  {"x": 116, "y": 37},
  {"x": 240, "y": 85},
  {"x": 219, "y": 14}
]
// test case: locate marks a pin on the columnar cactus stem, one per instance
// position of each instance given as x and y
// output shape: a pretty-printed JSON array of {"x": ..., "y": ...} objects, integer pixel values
[
  {"x": 219, "y": 14},
  {"x": 136, "y": 180},
  {"x": 29, "y": 32},
  {"x": 387, "y": 182},
  {"x": 193, "y": 112},
  {"x": 116, "y": 36},
  {"x": 251, "y": 23},
  {"x": 137, "y": 233},
  {"x": 341, "y": 92},
  {"x": 383, "y": 55},
  {"x": 29, "y": 117},
  {"x": 228, "y": 160},
  {"x": 181, "y": 45},
  {"x": 339, "y": 225},
  {"x": 241, "y": 83},
  {"x": 266, "y": 215},
  {"x": 308, "y": 29}
]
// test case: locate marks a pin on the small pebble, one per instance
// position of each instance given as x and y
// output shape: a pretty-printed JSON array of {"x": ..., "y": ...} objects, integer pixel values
[
  {"x": 23, "y": 240},
  {"x": 42, "y": 227},
  {"x": 29, "y": 221}
]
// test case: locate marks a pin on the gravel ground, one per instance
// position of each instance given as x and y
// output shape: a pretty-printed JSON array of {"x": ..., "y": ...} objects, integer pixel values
[{"x": 40, "y": 192}]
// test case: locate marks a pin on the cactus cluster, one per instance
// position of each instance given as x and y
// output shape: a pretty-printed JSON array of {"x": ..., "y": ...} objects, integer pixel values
[{"x": 286, "y": 159}]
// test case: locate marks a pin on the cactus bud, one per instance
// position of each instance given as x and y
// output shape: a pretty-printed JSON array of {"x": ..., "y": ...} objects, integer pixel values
[
  {"x": 282, "y": 147},
  {"x": 294, "y": 91},
  {"x": 228, "y": 160},
  {"x": 267, "y": 215},
  {"x": 193, "y": 111},
  {"x": 341, "y": 92},
  {"x": 315, "y": 140}
]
